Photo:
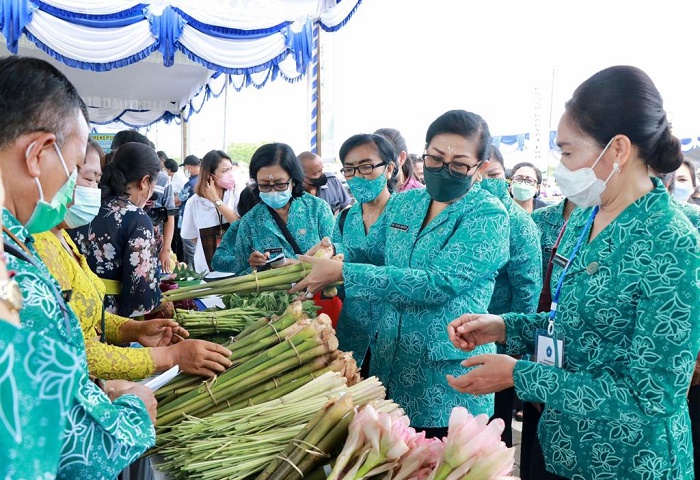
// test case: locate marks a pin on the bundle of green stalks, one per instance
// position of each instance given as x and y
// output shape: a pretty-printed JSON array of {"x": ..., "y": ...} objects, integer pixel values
[
  {"x": 270, "y": 302},
  {"x": 270, "y": 356},
  {"x": 276, "y": 279},
  {"x": 239, "y": 444},
  {"x": 320, "y": 440},
  {"x": 206, "y": 323}
]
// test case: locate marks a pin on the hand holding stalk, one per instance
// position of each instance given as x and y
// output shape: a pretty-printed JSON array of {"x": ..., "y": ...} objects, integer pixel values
[{"x": 324, "y": 272}]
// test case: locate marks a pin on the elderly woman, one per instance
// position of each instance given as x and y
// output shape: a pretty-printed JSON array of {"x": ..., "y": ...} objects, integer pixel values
[
  {"x": 443, "y": 246},
  {"x": 287, "y": 220},
  {"x": 616, "y": 353}
]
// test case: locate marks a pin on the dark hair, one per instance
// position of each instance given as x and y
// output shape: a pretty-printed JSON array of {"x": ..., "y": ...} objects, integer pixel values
[
  {"x": 127, "y": 136},
  {"x": 130, "y": 163},
  {"x": 466, "y": 124},
  {"x": 623, "y": 100},
  {"x": 278, "y": 154},
  {"x": 171, "y": 165},
  {"x": 384, "y": 149},
  {"x": 520, "y": 165},
  {"x": 669, "y": 180},
  {"x": 495, "y": 154},
  {"x": 210, "y": 162},
  {"x": 35, "y": 96},
  {"x": 399, "y": 143},
  {"x": 192, "y": 160},
  {"x": 162, "y": 155},
  {"x": 92, "y": 144},
  {"x": 247, "y": 200}
]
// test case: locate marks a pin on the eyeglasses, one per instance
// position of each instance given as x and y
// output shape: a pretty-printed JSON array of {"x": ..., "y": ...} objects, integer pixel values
[
  {"x": 364, "y": 169},
  {"x": 279, "y": 187},
  {"x": 526, "y": 180},
  {"x": 456, "y": 169}
]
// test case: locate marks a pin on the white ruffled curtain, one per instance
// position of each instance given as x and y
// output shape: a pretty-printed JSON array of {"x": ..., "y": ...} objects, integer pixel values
[{"x": 244, "y": 42}]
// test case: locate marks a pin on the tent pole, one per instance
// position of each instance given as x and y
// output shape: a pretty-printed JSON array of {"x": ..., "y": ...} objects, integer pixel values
[
  {"x": 183, "y": 137},
  {"x": 225, "y": 113},
  {"x": 314, "y": 94}
]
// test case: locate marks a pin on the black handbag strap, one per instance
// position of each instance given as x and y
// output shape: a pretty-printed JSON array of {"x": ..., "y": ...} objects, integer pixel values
[
  {"x": 341, "y": 220},
  {"x": 285, "y": 231}
]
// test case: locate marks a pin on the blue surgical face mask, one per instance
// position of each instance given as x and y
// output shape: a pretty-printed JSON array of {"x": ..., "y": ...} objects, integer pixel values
[
  {"x": 276, "y": 199},
  {"x": 86, "y": 205},
  {"x": 365, "y": 190},
  {"x": 47, "y": 215}
]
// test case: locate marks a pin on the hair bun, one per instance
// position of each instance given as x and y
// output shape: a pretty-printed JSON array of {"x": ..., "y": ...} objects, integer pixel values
[{"x": 667, "y": 156}]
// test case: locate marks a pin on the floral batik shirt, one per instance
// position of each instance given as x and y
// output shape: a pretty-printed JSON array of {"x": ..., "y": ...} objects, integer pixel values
[
  {"x": 101, "y": 437},
  {"x": 119, "y": 245},
  {"x": 629, "y": 315}
]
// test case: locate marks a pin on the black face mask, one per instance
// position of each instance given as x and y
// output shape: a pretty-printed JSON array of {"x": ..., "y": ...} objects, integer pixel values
[{"x": 318, "y": 182}]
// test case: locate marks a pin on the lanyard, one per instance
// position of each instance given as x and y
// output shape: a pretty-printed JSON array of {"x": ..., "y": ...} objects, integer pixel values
[{"x": 555, "y": 298}]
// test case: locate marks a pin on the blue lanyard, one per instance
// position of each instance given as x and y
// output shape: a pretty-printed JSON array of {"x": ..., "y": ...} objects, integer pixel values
[{"x": 555, "y": 298}]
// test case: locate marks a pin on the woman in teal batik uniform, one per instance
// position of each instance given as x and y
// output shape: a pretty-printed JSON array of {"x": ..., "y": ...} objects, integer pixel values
[
  {"x": 627, "y": 302},
  {"x": 370, "y": 167},
  {"x": 443, "y": 247},
  {"x": 519, "y": 282},
  {"x": 279, "y": 184}
]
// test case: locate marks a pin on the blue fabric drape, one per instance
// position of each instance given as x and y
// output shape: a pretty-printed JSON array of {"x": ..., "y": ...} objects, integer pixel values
[
  {"x": 14, "y": 16},
  {"x": 167, "y": 28},
  {"x": 301, "y": 45},
  {"x": 111, "y": 20}
]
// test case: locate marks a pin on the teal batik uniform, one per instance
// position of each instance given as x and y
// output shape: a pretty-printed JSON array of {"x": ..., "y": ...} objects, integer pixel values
[
  {"x": 309, "y": 220},
  {"x": 431, "y": 276},
  {"x": 358, "y": 315},
  {"x": 519, "y": 282},
  {"x": 38, "y": 382},
  {"x": 628, "y": 311},
  {"x": 550, "y": 221},
  {"x": 101, "y": 437}
]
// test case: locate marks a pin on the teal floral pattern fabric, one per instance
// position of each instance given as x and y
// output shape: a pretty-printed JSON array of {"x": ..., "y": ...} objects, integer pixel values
[
  {"x": 358, "y": 315},
  {"x": 519, "y": 282},
  {"x": 549, "y": 221},
  {"x": 38, "y": 382},
  {"x": 430, "y": 276},
  {"x": 309, "y": 220},
  {"x": 101, "y": 437},
  {"x": 628, "y": 311}
]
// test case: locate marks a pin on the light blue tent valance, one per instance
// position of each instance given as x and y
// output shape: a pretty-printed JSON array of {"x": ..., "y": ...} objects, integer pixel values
[{"x": 140, "y": 62}]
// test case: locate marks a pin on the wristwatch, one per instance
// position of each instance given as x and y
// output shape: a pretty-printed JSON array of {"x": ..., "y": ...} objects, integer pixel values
[
  {"x": 218, "y": 203},
  {"x": 11, "y": 295}
]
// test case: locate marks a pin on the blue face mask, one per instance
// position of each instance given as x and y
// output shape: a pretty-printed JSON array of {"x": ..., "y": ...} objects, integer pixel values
[
  {"x": 86, "y": 206},
  {"x": 275, "y": 199},
  {"x": 365, "y": 190}
]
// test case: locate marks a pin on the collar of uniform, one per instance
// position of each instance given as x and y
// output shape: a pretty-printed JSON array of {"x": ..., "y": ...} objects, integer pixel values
[{"x": 18, "y": 230}]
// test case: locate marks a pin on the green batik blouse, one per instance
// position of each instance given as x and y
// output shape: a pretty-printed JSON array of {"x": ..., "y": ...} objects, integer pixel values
[
  {"x": 519, "y": 282},
  {"x": 101, "y": 437},
  {"x": 431, "y": 276},
  {"x": 628, "y": 311}
]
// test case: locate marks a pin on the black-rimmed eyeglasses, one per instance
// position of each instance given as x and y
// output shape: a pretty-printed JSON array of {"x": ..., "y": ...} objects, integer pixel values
[
  {"x": 364, "y": 169},
  {"x": 456, "y": 169},
  {"x": 278, "y": 187}
]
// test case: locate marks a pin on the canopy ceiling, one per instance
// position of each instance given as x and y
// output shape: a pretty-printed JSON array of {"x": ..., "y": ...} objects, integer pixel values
[{"x": 140, "y": 62}]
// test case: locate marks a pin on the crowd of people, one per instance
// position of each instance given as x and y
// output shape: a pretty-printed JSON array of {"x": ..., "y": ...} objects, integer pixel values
[{"x": 460, "y": 286}]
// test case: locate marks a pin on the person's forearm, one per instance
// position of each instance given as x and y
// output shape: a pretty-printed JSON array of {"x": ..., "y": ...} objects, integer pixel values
[
  {"x": 163, "y": 358},
  {"x": 169, "y": 232},
  {"x": 228, "y": 213}
]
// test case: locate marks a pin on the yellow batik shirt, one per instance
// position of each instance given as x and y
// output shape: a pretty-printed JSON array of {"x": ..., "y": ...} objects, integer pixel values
[{"x": 73, "y": 274}]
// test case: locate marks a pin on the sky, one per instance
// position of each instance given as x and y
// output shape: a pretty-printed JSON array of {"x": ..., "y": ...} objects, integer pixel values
[{"x": 400, "y": 64}]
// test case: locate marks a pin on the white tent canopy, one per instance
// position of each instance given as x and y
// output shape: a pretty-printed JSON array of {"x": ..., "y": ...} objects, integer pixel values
[{"x": 140, "y": 62}]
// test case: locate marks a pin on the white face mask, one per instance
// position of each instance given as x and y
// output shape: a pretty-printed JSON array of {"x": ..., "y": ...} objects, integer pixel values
[
  {"x": 86, "y": 206},
  {"x": 582, "y": 186},
  {"x": 683, "y": 191}
]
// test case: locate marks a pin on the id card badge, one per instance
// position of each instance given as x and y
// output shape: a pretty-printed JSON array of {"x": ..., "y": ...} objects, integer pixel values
[{"x": 546, "y": 352}]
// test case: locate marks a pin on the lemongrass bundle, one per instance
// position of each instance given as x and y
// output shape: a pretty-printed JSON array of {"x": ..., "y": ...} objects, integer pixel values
[
  {"x": 241, "y": 443},
  {"x": 275, "y": 279},
  {"x": 230, "y": 321}
]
